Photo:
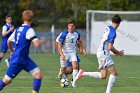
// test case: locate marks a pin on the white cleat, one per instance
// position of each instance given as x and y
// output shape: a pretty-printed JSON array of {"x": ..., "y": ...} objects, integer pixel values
[
  {"x": 7, "y": 63},
  {"x": 73, "y": 84}
]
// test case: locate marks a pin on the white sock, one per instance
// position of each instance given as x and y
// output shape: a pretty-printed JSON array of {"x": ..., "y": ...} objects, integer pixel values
[
  {"x": 92, "y": 74},
  {"x": 111, "y": 82},
  {"x": 75, "y": 72}
]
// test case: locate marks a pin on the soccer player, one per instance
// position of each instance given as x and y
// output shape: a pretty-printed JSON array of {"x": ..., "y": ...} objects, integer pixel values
[
  {"x": 69, "y": 65},
  {"x": 106, "y": 64},
  {"x": 7, "y": 30},
  {"x": 23, "y": 36},
  {"x": 67, "y": 48}
]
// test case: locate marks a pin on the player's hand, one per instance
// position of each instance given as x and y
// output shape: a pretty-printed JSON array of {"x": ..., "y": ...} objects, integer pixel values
[
  {"x": 121, "y": 53},
  {"x": 84, "y": 52},
  {"x": 11, "y": 28},
  {"x": 63, "y": 57}
]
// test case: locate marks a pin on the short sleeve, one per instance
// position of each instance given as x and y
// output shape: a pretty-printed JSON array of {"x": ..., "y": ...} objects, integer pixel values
[
  {"x": 111, "y": 36},
  {"x": 57, "y": 39},
  {"x": 12, "y": 37},
  {"x": 78, "y": 36},
  {"x": 4, "y": 29},
  {"x": 63, "y": 36},
  {"x": 30, "y": 34}
]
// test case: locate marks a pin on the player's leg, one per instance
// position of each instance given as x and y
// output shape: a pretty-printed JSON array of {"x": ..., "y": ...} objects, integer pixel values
[
  {"x": 63, "y": 65},
  {"x": 12, "y": 72},
  {"x": 4, "y": 49},
  {"x": 73, "y": 59},
  {"x": 112, "y": 78},
  {"x": 1, "y": 56},
  {"x": 34, "y": 70}
]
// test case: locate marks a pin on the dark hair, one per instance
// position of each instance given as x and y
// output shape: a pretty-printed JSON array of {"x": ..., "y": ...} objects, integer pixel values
[
  {"x": 116, "y": 18},
  {"x": 7, "y": 16},
  {"x": 71, "y": 21}
]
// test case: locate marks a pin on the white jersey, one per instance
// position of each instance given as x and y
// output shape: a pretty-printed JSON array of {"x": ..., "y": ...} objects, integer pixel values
[
  {"x": 108, "y": 36},
  {"x": 68, "y": 40}
]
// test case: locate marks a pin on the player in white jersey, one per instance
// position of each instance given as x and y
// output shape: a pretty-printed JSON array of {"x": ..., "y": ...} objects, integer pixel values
[
  {"x": 69, "y": 65},
  {"x": 67, "y": 48},
  {"x": 106, "y": 64}
]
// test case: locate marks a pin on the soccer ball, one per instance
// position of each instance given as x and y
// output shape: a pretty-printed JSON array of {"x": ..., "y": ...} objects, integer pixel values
[{"x": 64, "y": 82}]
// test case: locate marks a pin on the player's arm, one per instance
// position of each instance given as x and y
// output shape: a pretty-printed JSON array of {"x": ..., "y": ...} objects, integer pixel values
[
  {"x": 9, "y": 42},
  {"x": 115, "y": 51},
  {"x": 81, "y": 47},
  {"x": 59, "y": 46},
  {"x": 5, "y": 32}
]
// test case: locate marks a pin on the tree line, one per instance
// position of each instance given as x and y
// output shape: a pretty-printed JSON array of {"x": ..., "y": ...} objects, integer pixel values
[{"x": 55, "y": 11}]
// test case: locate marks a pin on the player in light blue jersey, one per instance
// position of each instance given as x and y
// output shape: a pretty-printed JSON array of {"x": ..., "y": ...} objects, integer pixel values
[
  {"x": 69, "y": 68},
  {"x": 106, "y": 64},
  {"x": 7, "y": 30},
  {"x": 20, "y": 60},
  {"x": 67, "y": 48}
]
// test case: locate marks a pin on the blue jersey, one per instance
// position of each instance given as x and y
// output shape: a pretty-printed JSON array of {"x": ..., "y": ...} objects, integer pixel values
[
  {"x": 22, "y": 44},
  {"x": 108, "y": 36},
  {"x": 20, "y": 60},
  {"x": 4, "y": 46},
  {"x": 69, "y": 40}
]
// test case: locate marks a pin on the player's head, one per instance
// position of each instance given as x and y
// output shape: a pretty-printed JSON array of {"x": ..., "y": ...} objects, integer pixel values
[
  {"x": 116, "y": 20},
  {"x": 8, "y": 19},
  {"x": 27, "y": 15},
  {"x": 71, "y": 25}
]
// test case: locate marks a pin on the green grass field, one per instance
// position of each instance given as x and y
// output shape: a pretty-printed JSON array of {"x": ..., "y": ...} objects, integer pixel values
[{"x": 128, "y": 80}]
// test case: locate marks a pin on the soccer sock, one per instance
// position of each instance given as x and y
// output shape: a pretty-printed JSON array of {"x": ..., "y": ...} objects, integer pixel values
[
  {"x": 111, "y": 81},
  {"x": 8, "y": 59},
  {"x": 75, "y": 72},
  {"x": 0, "y": 59},
  {"x": 66, "y": 73},
  {"x": 2, "y": 85},
  {"x": 36, "y": 84},
  {"x": 92, "y": 74}
]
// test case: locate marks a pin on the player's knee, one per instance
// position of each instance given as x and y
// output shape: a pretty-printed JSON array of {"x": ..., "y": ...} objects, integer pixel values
[
  {"x": 103, "y": 76},
  {"x": 38, "y": 75}
]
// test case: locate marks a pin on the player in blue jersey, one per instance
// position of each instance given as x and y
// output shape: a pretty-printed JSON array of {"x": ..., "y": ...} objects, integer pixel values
[
  {"x": 106, "y": 64},
  {"x": 7, "y": 30},
  {"x": 20, "y": 60},
  {"x": 67, "y": 48}
]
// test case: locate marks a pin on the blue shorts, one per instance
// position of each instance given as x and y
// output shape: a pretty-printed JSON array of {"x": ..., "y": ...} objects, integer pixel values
[
  {"x": 69, "y": 63},
  {"x": 4, "y": 46},
  {"x": 16, "y": 67}
]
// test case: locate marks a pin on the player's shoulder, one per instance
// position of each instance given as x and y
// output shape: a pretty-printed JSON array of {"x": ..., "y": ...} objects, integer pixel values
[{"x": 64, "y": 33}]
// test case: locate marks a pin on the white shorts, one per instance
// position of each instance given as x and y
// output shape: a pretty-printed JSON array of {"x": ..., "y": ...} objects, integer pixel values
[
  {"x": 105, "y": 62},
  {"x": 72, "y": 56}
]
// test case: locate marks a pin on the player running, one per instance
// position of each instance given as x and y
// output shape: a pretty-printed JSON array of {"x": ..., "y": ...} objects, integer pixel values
[
  {"x": 106, "y": 64},
  {"x": 68, "y": 40},
  {"x": 23, "y": 36}
]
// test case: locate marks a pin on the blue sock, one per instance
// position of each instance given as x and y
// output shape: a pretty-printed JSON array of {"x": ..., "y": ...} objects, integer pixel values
[
  {"x": 2, "y": 85},
  {"x": 0, "y": 59},
  {"x": 9, "y": 59},
  {"x": 36, "y": 84},
  {"x": 66, "y": 73}
]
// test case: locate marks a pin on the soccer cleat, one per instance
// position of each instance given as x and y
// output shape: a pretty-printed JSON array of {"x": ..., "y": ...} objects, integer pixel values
[
  {"x": 73, "y": 84},
  {"x": 79, "y": 75},
  {"x": 7, "y": 63},
  {"x": 34, "y": 91}
]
